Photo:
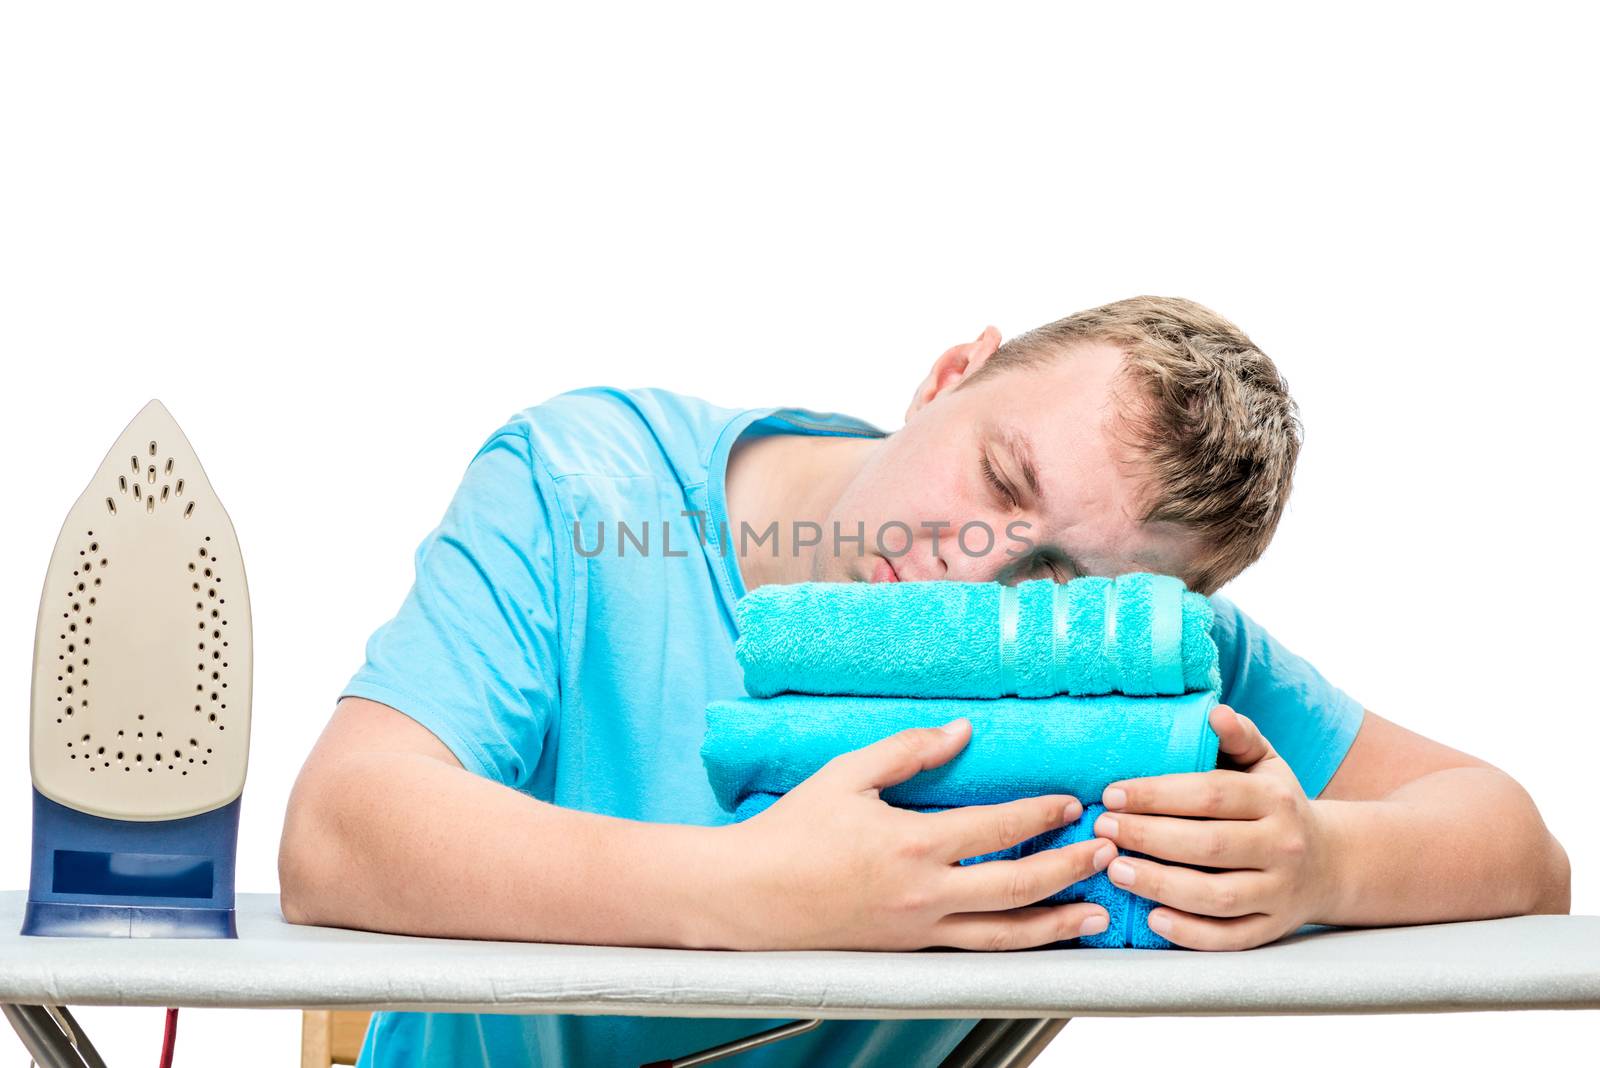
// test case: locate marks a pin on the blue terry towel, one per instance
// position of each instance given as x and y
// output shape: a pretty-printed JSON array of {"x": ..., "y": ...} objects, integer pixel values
[
  {"x": 1140, "y": 634},
  {"x": 756, "y": 750},
  {"x": 1019, "y": 746}
]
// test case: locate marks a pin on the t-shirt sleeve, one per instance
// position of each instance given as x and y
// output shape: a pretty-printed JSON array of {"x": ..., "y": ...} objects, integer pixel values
[
  {"x": 473, "y": 652},
  {"x": 1308, "y": 720}
]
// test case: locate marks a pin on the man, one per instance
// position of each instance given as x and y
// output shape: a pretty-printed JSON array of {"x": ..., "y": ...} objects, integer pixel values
[{"x": 518, "y": 756}]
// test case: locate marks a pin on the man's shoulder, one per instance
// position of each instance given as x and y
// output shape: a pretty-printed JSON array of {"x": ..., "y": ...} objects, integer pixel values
[
  {"x": 607, "y": 431},
  {"x": 1232, "y": 630},
  {"x": 1238, "y": 639}
]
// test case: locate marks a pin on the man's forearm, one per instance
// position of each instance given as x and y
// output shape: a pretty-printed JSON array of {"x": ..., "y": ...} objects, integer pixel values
[
  {"x": 1460, "y": 844},
  {"x": 452, "y": 854}
]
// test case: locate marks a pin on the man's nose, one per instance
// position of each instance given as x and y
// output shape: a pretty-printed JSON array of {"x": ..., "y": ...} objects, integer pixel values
[
  {"x": 977, "y": 557},
  {"x": 965, "y": 562}
]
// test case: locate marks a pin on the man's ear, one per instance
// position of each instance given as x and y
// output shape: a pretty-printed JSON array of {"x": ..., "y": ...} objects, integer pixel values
[{"x": 956, "y": 364}]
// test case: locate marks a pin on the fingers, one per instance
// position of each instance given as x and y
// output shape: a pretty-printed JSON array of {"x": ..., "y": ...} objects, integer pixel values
[
  {"x": 1239, "y": 739},
  {"x": 974, "y": 830},
  {"x": 1009, "y": 884},
  {"x": 1205, "y": 932},
  {"x": 1212, "y": 843},
  {"x": 896, "y": 758},
  {"x": 1228, "y": 795},
  {"x": 1227, "y": 893},
  {"x": 1020, "y": 928}
]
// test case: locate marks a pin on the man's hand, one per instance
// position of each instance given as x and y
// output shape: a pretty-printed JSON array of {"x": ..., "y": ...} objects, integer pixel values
[
  {"x": 832, "y": 866},
  {"x": 1259, "y": 826}
]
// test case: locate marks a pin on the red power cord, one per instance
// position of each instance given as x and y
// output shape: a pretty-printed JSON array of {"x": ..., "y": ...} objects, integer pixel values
[{"x": 169, "y": 1039}]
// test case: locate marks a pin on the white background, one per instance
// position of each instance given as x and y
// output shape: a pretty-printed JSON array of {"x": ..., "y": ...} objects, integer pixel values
[{"x": 342, "y": 243}]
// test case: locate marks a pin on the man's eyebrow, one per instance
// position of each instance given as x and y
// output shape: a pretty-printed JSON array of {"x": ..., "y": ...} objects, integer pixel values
[{"x": 1022, "y": 449}]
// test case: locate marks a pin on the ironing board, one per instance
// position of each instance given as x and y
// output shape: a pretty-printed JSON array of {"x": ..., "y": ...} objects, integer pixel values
[{"x": 1525, "y": 962}]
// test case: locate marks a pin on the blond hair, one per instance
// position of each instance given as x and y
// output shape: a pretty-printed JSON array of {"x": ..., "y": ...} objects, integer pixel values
[{"x": 1210, "y": 421}]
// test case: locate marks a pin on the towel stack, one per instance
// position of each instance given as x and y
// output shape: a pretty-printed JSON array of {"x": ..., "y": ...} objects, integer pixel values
[{"x": 1069, "y": 687}]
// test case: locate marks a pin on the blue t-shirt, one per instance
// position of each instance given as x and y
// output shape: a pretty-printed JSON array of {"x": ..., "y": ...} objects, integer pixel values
[{"x": 577, "y": 671}]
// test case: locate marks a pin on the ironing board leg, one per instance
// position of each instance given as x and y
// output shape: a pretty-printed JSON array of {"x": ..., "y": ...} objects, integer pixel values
[
  {"x": 53, "y": 1038},
  {"x": 1004, "y": 1043},
  {"x": 739, "y": 1045}
]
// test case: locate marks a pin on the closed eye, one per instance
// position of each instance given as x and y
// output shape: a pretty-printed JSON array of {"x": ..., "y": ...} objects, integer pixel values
[
  {"x": 1045, "y": 566},
  {"x": 1037, "y": 565},
  {"x": 1006, "y": 496}
]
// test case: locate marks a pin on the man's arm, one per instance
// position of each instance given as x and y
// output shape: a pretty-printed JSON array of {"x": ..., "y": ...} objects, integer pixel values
[
  {"x": 1426, "y": 833},
  {"x": 1421, "y": 834},
  {"x": 387, "y": 831}
]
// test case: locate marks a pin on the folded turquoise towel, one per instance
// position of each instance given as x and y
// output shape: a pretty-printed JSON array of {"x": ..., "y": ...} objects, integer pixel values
[
  {"x": 1128, "y": 914},
  {"x": 1138, "y": 634},
  {"x": 1019, "y": 746},
  {"x": 758, "y": 749}
]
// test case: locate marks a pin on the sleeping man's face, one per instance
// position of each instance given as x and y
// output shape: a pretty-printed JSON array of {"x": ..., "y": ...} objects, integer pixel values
[{"x": 1065, "y": 504}]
